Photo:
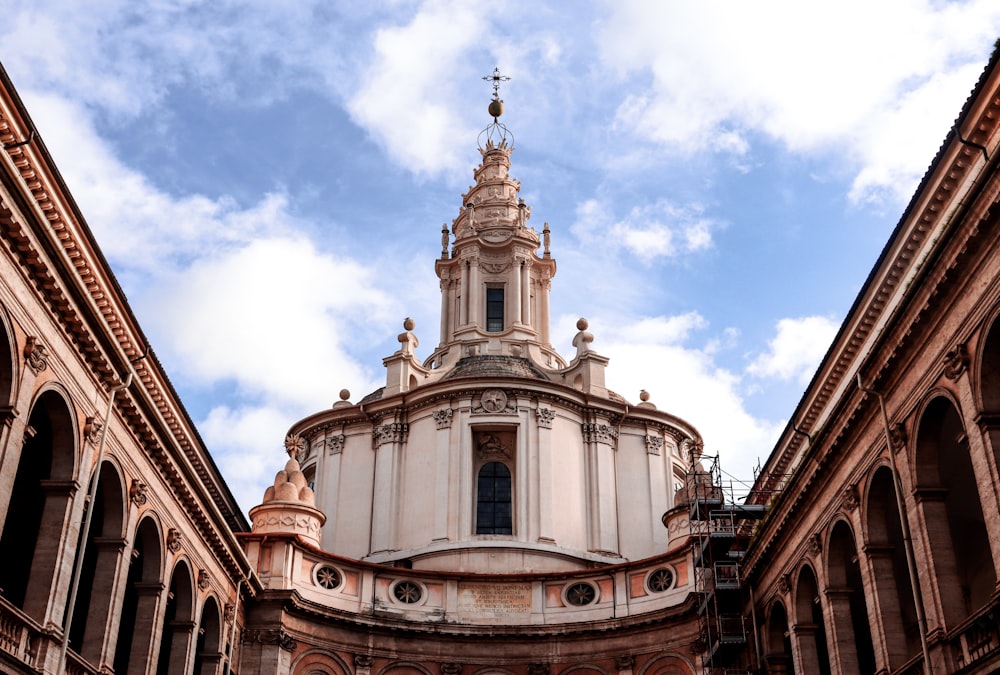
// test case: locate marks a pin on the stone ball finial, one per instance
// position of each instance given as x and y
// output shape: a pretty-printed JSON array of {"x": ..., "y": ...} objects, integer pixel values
[
  {"x": 643, "y": 395},
  {"x": 582, "y": 324},
  {"x": 345, "y": 394},
  {"x": 409, "y": 324}
]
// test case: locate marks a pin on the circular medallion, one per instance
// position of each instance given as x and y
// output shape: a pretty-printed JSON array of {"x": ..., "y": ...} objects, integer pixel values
[{"x": 494, "y": 400}]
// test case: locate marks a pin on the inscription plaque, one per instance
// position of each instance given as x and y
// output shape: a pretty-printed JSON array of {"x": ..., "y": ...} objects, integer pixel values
[{"x": 504, "y": 603}]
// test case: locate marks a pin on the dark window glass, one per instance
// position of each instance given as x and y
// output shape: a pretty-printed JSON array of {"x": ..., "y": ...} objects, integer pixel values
[
  {"x": 493, "y": 507},
  {"x": 494, "y": 310}
]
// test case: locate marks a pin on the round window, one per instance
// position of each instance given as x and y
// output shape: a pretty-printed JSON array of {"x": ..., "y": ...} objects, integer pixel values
[
  {"x": 660, "y": 579},
  {"x": 581, "y": 594},
  {"x": 328, "y": 577},
  {"x": 407, "y": 592}
]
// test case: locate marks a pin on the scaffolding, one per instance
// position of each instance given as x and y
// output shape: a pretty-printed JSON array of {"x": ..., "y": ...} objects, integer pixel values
[{"x": 721, "y": 525}]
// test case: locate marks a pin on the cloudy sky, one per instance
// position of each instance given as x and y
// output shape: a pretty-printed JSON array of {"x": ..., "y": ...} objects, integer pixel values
[{"x": 269, "y": 181}]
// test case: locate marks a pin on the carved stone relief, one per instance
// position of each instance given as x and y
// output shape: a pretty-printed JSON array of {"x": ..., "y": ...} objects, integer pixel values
[
  {"x": 545, "y": 416},
  {"x": 495, "y": 402},
  {"x": 335, "y": 444},
  {"x": 390, "y": 433},
  {"x": 599, "y": 433},
  {"x": 494, "y": 445},
  {"x": 36, "y": 355},
  {"x": 443, "y": 418}
]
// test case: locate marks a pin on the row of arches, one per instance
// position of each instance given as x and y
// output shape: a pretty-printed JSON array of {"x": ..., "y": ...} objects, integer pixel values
[
  {"x": 137, "y": 607},
  {"x": 853, "y": 605}
]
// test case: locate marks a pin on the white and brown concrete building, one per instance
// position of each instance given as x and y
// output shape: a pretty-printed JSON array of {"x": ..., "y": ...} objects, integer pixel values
[{"x": 495, "y": 508}]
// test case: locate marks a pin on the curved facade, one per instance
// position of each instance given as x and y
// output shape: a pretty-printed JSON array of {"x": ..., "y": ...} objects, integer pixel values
[{"x": 494, "y": 496}]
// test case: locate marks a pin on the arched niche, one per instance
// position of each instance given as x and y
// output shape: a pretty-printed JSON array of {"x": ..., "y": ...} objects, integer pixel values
[
  {"x": 39, "y": 508},
  {"x": 948, "y": 495},
  {"x": 778, "y": 644},
  {"x": 102, "y": 554},
  {"x": 887, "y": 555},
  {"x": 809, "y": 626},
  {"x": 208, "y": 653},
  {"x": 177, "y": 634},
  {"x": 140, "y": 603},
  {"x": 846, "y": 596}
]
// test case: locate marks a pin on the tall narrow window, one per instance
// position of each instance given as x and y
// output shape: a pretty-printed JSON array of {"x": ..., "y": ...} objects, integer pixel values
[
  {"x": 494, "y": 310},
  {"x": 493, "y": 501}
]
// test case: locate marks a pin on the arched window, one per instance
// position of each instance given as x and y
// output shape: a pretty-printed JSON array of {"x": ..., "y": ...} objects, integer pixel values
[{"x": 494, "y": 512}]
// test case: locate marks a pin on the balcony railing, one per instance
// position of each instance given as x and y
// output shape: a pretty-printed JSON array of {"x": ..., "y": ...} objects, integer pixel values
[{"x": 19, "y": 637}]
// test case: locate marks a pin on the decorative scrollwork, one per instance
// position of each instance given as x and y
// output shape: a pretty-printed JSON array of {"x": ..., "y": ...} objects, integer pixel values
[
  {"x": 137, "y": 492},
  {"x": 36, "y": 355},
  {"x": 175, "y": 540}
]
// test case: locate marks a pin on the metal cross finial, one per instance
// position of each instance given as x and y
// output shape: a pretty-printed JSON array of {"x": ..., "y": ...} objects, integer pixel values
[{"x": 497, "y": 78}]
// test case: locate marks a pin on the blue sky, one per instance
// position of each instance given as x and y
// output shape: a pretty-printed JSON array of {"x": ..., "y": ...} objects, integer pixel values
[{"x": 268, "y": 181}]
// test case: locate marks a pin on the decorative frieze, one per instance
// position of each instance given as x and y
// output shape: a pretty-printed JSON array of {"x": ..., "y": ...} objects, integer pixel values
[
  {"x": 36, "y": 355},
  {"x": 442, "y": 418},
  {"x": 390, "y": 433},
  {"x": 545, "y": 416},
  {"x": 654, "y": 445},
  {"x": 599, "y": 433},
  {"x": 335, "y": 444}
]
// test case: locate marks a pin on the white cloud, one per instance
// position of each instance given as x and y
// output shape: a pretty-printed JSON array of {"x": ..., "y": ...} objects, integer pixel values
[
  {"x": 796, "y": 350},
  {"x": 403, "y": 100},
  {"x": 248, "y": 446},
  {"x": 276, "y": 316},
  {"x": 855, "y": 78},
  {"x": 656, "y": 354},
  {"x": 658, "y": 230}
]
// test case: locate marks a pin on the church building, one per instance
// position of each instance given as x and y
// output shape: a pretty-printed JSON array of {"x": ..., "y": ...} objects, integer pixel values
[{"x": 495, "y": 509}]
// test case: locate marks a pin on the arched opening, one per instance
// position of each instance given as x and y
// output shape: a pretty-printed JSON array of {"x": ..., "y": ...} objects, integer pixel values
[
  {"x": 101, "y": 554},
  {"x": 846, "y": 596},
  {"x": 208, "y": 652},
  {"x": 178, "y": 624},
  {"x": 949, "y": 499},
  {"x": 893, "y": 585},
  {"x": 39, "y": 506},
  {"x": 494, "y": 514},
  {"x": 778, "y": 656},
  {"x": 140, "y": 602},
  {"x": 810, "y": 628}
]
